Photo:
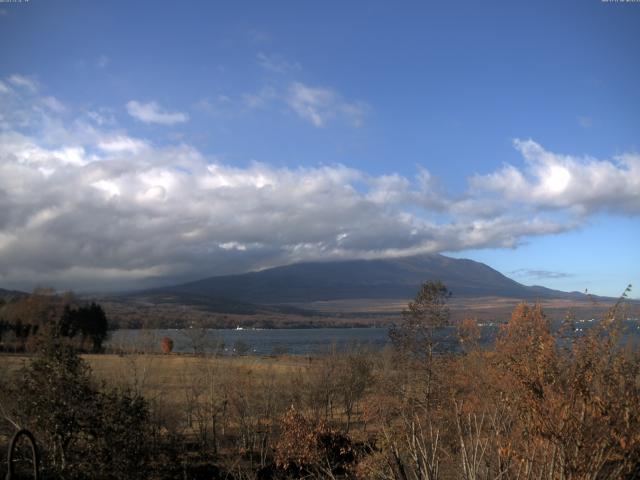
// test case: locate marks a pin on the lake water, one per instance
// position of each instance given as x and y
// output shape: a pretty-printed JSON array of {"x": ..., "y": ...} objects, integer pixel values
[
  {"x": 290, "y": 340},
  {"x": 257, "y": 342}
]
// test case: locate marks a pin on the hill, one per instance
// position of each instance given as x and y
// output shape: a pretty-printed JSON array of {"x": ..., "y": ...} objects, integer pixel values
[
  {"x": 397, "y": 278},
  {"x": 11, "y": 294},
  {"x": 336, "y": 293}
]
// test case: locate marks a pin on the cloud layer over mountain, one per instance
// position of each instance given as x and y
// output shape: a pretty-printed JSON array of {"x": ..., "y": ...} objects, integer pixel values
[{"x": 84, "y": 204}]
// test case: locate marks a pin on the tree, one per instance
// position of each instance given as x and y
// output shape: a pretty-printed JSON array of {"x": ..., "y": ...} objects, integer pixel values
[
  {"x": 353, "y": 377},
  {"x": 55, "y": 396},
  {"x": 35, "y": 317},
  {"x": 84, "y": 432},
  {"x": 576, "y": 400},
  {"x": 197, "y": 336},
  {"x": 426, "y": 313},
  {"x": 310, "y": 449},
  {"x": 469, "y": 334},
  {"x": 90, "y": 322},
  {"x": 120, "y": 436},
  {"x": 166, "y": 344},
  {"x": 413, "y": 338},
  {"x": 96, "y": 326}
]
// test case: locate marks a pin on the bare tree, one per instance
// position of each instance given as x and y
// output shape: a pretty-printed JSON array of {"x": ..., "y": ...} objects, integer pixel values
[
  {"x": 197, "y": 338},
  {"x": 414, "y": 337},
  {"x": 354, "y": 376}
]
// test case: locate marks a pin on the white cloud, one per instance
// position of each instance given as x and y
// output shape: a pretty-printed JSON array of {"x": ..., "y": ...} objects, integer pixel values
[
  {"x": 152, "y": 113},
  {"x": 108, "y": 187},
  {"x": 580, "y": 184},
  {"x": 121, "y": 143},
  {"x": 259, "y": 99},
  {"x": 102, "y": 117},
  {"x": 311, "y": 103},
  {"x": 276, "y": 63},
  {"x": 540, "y": 274},
  {"x": 84, "y": 204},
  {"x": 23, "y": 81},
  {"x": 174, "y": 211},
  {"x": 318, "y": 105},
  {"x": 354, "y": 112},
  {"x": 52, "y": 103}
]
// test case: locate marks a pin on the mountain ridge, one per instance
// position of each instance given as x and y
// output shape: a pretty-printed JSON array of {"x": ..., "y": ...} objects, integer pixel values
[
  {"x": 10, "y": 294},
  {"x": 394, "y": 278}
]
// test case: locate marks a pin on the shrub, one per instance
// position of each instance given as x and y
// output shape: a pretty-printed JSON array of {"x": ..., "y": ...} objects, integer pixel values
[
  {"x": 83, "y": 431},
  {"x": 309, "y": 447},
  {"x": 167, "y": 345}
]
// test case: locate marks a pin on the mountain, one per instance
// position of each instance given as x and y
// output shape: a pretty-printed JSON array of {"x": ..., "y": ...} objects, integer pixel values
[
  {"x": 11, "y": 294},
  {"x": 337, "y": 294},
  {"x": 397, "y": 278}
]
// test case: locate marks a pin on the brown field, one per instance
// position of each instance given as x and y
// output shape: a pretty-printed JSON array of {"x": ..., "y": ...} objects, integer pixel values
[
  {"x": 385, "y": 415},
  {"x": 343, "y": 313},
  {"x": 482, "y": 308},
  {"x": 158, "y": 376}
]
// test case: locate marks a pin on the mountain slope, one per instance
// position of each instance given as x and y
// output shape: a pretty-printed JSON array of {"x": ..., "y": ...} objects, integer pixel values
[
  {"x": 11, "y": 294},
  {"x": 397, "y": 278}
]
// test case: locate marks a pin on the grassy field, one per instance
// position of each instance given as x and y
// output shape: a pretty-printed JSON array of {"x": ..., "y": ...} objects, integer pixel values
[
  {"x": 396, "y": 408},
  {"x": 166, "y": 376},
  {"x": 341, "y": 313},
  {"x": 482, "y": 308}
]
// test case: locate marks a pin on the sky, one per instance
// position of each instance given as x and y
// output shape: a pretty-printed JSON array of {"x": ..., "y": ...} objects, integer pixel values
[{"x": 149, "y": 143}]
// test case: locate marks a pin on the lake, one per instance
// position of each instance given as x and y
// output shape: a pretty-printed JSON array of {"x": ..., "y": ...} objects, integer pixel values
[
  {"x": 252, "y": 341},
  {"x": 294, "y": 341}
]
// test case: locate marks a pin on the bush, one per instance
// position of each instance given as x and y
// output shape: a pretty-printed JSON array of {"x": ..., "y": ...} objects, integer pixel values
[
  {"x": 84, "y": 432},
  {"x": 167, "y": 345},
  {"x": 307, "y": 447}
]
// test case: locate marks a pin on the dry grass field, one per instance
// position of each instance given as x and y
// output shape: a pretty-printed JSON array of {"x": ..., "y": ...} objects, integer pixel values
[
  {"x": 393, "y": 414},
  {"x": 342, "y": 313},
  {"x": 482, "y": 308},
  {"x": 167, "y": 376}
]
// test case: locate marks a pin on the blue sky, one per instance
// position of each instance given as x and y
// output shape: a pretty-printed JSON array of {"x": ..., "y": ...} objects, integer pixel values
[{"x": 208, "y": 137}]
